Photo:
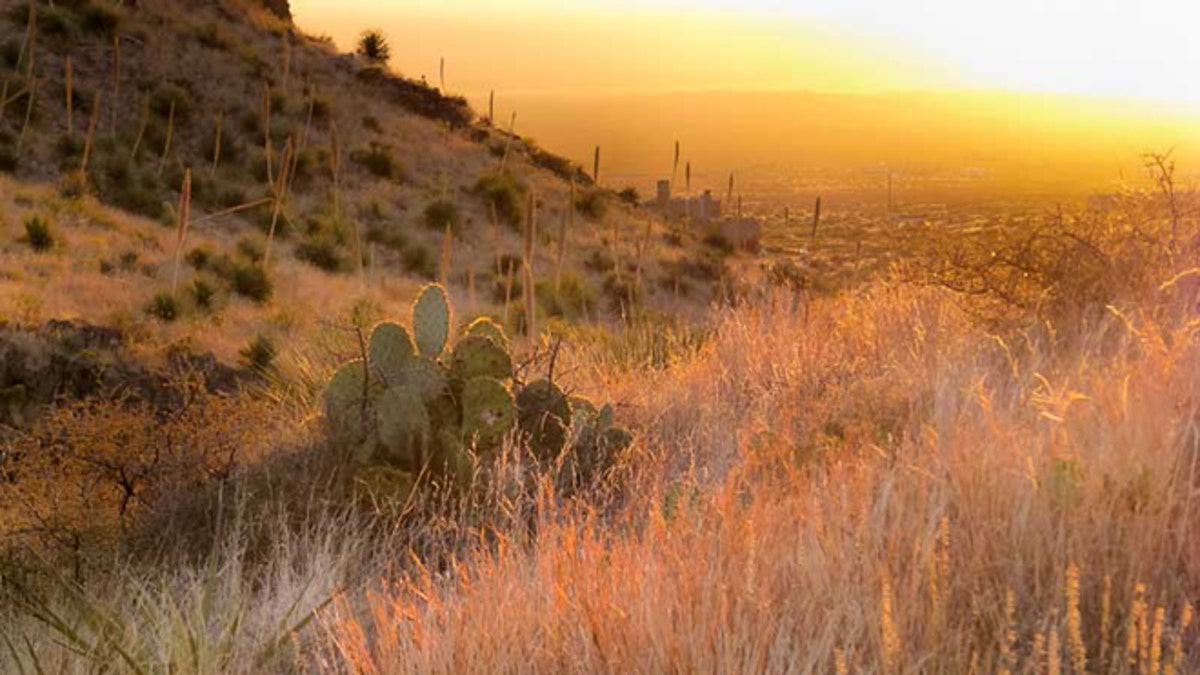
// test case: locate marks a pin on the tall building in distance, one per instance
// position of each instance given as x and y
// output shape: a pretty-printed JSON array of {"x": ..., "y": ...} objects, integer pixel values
[{"x": 701, "y": 209}]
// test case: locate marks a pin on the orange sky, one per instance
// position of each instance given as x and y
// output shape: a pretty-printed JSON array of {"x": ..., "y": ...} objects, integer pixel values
[{"x": 586, "y": 72}]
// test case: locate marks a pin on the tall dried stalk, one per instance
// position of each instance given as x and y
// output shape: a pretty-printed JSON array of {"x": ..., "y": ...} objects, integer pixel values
[
  {"x": 162, "y": 162},
  {"x": 335, "y": 168},
  {"x": 568, "y": 224},
  {"x": 643, "y": 248},
  {"x": 29, "y": 48},
  {"x": 447, "y": 251},
  {"x": 596, "y": 166},
  {"x": 93, "y": 120},
  {"x": 510, "y": 272},
  {"x": 616, "y": 248},
  {"x": 512, "y": 125},
  {"x": 32, "y": 95},
  {"x": 141, "y": 134},
  {"x": 267, "y": 149},
  {"x": 491, "y": 118},
  {"x": 729, "y": 194},
  {"x": 279, "y": 190},
  {"x": 116, "y": 81},
  {"x": 217, "y": 142},
  {"x": 185, "y": 213},
  {"x": 527, "y": 286},
  {"x": 67, "y": 76},
  {"x": 442, "y": 74},
  {"x": 816, "y": 220}
]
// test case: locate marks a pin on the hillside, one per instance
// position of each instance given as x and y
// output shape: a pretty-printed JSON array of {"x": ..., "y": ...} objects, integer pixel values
[{"x": 362, "y": 164}]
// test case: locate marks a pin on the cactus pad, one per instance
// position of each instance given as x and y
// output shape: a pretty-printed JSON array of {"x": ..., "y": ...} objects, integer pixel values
[
  {"x": 476, "y": 356},
  {"x": 543, "y": 413},
  {"x": 488, "y": 412},
  {"x": 404, "y": 427},
  {"x": 431, "y": 321},
  {"x": 344, "y": 398},
  {"x": 390, "y": 351},
  {"x": 485, "y": 327}
]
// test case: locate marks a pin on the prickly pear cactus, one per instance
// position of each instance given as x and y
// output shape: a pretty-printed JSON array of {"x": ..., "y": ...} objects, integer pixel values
[
  {"x": 543, "y": 414},
  {"x": 488, "y": 412},
  {"x": 476, "y": 356},
  {"x": 415, "y": 408},
  {"x": 431, "y": 321},
  {"x": 485, "y": 327},
  {"x": 391, "y": 351}
]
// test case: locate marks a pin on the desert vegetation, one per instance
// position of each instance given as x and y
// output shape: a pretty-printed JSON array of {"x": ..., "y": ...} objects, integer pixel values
[{"x": 302, "y": 369}]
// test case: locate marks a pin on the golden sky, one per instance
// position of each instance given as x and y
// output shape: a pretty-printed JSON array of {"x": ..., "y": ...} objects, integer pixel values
[
  {"x": 1091, "y": 83},
  {"x": 1142, "y": 48}
]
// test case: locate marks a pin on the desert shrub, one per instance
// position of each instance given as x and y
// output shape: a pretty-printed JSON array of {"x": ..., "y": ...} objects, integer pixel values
[
  {"x": 250, "y": 280},
  {"x": 200, "y": 257},
  {"x": 8, "y": 158},
  {"x": 378, "y": 160},
  {"x": 374, "y": 47},
  {"x": 322, "y": 250},
  {"x": 569, "y": 297},
  {"x": 441, "y": 214},
  {"x": 419, "y": 261},
  {"x": 600, "y": 260},
  {"x": 100, "y": 19},
  {"x": 592, "y": 204},
  {"x": 502, "y": 192},
  {"x": 213, "y": 36},
  {"x": 163, "y": 307},
  {"x": 719, "y": 243},
  {"x": 252, "y": 248},
  {"x": 38, "y": 234},
  {"x": 259, "y": 355},
  {"x": 623, "y": 293},
  {"x": 630, "y": 196},
  {"x": 168, "y": 93},
  {"x": 203, "y": 294},
  {"x": 390, "y": 237}
]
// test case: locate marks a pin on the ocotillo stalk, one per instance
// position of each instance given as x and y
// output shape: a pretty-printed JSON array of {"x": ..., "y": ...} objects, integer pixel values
[
  {"x": 491, "y": 120},
  {"x": 141, "y": 134},
  {"x": 162, "y": 162},
  {"x": 527, "y": 285},
  {"x": 28, "y": 113},
  {"x": 217, "y": 142},
  {"x": 93, "y": 120},
  {"x": 512, "y": 124},
  {"x": 267, "y": 149},
  {"x": 279, "y": 191},
  {"x": 675, "y": 165},
  {"x": 442, "y": 74},
  {"x": 185, "y": 212},
  {"x": 116, "y": 80},
  {"x": 70, "y": 97},
  {"x": 447, "y": 251},
  {"x": 596, "y": 167},
  {"x": 816, "y": 220}
]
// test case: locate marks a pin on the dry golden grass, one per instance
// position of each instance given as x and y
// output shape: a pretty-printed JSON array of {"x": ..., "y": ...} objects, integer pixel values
[{"x": 878, "y": 482}]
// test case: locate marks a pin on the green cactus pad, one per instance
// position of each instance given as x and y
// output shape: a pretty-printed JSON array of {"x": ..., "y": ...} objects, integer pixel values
[
  {"x": 424, "y": 377},
  {"x": 543, "y": 414},
  {"x": 344, "y": 398},
  {"x": 404, "y": 427},
  {"x": 486, "y": 327},
  {"x": 390, "y": 351},
  {"x": 488, "y": 412},
  {"x": 431, "y": 321},
  {"x": 476, "y": 356}
]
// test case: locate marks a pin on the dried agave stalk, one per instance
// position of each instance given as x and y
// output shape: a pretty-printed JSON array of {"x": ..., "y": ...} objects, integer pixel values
[
  {"x": 217, "y": 142},
  {"x": 162, "y": 162},
  {"x": 279, "y": 191},
  {"x": 93, "y": 120},
  {"x": 141, "y": 134},
  {"x": 527, "y": 286},
  {"x": 185, "y": 212}
]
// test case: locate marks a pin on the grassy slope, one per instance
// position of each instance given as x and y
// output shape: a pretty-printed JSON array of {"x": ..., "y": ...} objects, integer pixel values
[{"x": 214, "y": 60}]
